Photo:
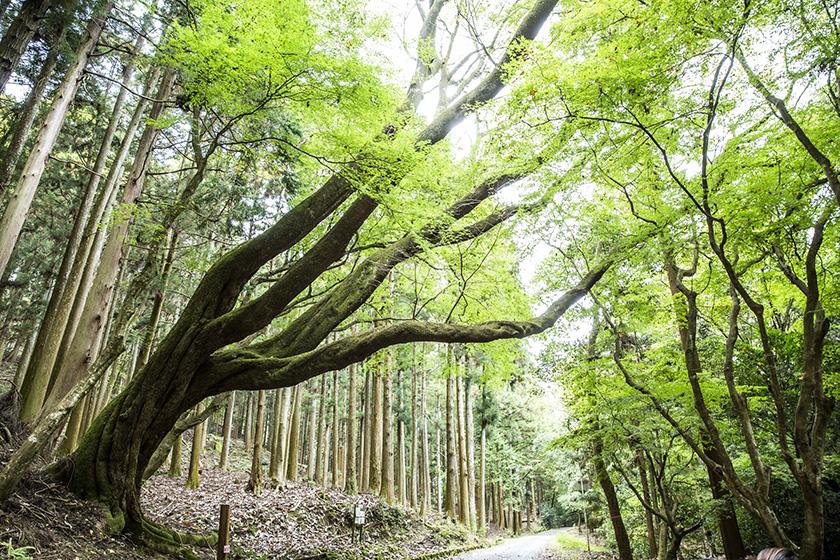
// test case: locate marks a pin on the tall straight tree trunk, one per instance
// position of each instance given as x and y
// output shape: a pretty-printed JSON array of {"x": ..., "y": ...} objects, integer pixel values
[
  {"x": 30, "y": 177},
  {"x": 77, "y": 285},
  {"x": 350, "y": 461},
  {"x": 96, "y": 290},
  {"x": 321, "y": 450},
  {"x": 294, "y": 436},
  {"x": 248, "y": 431},
  {"x": 470, "y": 444},
  {"x": 29, "y": 109},
  {"x": 277, "y": 465},
  {"x": 366, "y": 432},
  {"x": 441, "y": 471},
  {"x": 375, "y": 474},
  {"x": 425, "y": 467},
  {"x": 622, "y": 540},
  {"x": 175, "y": 457},
  {"x": 18, "y": 35},
  {"x": 402, "y": 496},
  {"x": 312, "y": 434},
  {"x": 84, "y": 326},
  {"x": 255, "y": 481},
  {"x": 387, "y": 487},
  {"x": 227, "y": 430},
  {"x": 464, "y": 475},
  {"x": 451, "y": 445},
  {"x": 159, "y": 297},
  {"x": 193, "y": 478},
  {"x": 414, "y": 474},
  {"x": 336, "y": 470},
  {"x": 482, "y": 473}
]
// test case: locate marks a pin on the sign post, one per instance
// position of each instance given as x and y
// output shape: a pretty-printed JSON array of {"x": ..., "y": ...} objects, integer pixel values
[
  {"x": 359, "y": 520},
  {"x": 223, "y": 545}
]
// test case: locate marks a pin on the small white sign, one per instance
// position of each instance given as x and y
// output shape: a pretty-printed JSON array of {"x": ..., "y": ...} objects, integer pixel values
[{"x": 359, "y": 515}]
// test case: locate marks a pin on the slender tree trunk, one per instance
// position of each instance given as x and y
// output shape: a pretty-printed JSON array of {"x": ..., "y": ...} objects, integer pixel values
[
  {"x": 175, "y": 457},
  {"x": 248, "y": 432},
  {"x": 226, "y": 431},
  {"x": 425, "y": 468},
  {"x": 18, "y": 35},
  {"x": 312, "y": 434},
  {"x": 18, "y": 206},
  {"x": 646, "y": 494},
  {"x": 294, "y": 436},
  {"x": 625, "y": 551},
  {"x": 482, "y": 472},
  {"x": 80, "y": 340},
  {"x": 321, "y": 450},
  {"x": 335, "y": 431},
  {"x": 255, "y": 482},
  {"x": 366, "y": 432},
  {"x": 62, "y": 326},
  {"x": 470, "y": 445},
  {"x": 159, "y": 296},
  {"x": 400, "y": 475},
  {"x": 375, "y": 475},
  {"x": 387, "y": 486},
  {"x": 29, "y": 109},
  {"x": 277, "y": 466},
  {"x": 464, "y": 475},
  {"x": 193, "y": 478},
  {"x": 414, "y": 475},
  {"x": 451, "y": 447},
  {"x": 350, "y": 461}
]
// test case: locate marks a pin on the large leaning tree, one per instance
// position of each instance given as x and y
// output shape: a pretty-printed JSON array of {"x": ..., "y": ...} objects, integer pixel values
[{"x": 212, "y": 348}]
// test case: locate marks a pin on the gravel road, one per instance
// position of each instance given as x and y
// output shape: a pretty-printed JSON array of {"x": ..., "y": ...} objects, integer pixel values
[{"x": 529, "y": 547}]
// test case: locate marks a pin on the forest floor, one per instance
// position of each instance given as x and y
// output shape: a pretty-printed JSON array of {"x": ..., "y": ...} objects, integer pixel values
[{"x": 296, "y": 521}]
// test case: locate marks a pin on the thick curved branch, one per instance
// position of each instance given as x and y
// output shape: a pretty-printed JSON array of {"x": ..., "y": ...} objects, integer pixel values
[
  {"x": 259, "y": 312},
  {"x": 493, "y": 83},
  {"x": 248, "y": 370}
]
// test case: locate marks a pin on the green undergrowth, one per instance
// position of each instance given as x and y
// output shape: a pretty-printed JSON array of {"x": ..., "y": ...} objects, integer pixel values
[{"x": 574, "y": 542}]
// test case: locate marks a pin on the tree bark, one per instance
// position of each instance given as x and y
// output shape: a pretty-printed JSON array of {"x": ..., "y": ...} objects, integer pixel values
[
  {"x": 294, "y": 436},
  {"x": 470, "y": 444},
  {"x": 193, "y": 477},
  {"x": 375, "y": 474},
  {"x": 625, "y": 551},
  {"x": 29, "y": 109},
  {"x": 255, "y": 481},
  {"x": 414, "y": 475},
  {"x": 62, "y": 325},
  {"x": 366, "y": 431},
  {"x": 321, "y": 451},
  {"x": 175, "y": 460},
  {"x": 336, "y": 470},
  {"x": 18, "y": 35},
  {"x": 18, "y": 206},
  {"x": 227, "y": 430},
  {"x": 425, "y": 467},
  {"x": 482, "y": 473},
  {"x": 350, "y": 462},
  {"x": 387, "y": 486},
  {"x": 463, "y": 470},
  {"x": 451, "y": 446}
]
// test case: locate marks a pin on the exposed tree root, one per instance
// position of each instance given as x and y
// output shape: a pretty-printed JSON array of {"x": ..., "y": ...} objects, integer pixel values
[{"x": 167, "y": 541}]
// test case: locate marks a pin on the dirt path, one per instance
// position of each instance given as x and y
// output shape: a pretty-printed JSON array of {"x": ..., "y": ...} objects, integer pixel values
[{"x": 522, "y": 548}]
